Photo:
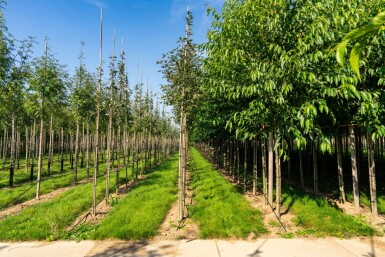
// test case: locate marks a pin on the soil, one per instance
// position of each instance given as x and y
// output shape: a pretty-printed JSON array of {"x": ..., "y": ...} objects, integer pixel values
[
  {"x": 13, "y": 210},
  {"x": 172, "y": 228}
]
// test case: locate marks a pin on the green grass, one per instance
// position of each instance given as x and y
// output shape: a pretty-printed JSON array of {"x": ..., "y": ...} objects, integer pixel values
[
  {"x": 142, "y": 211},
  {"x": 51, "y": 183},
  {"x": 48, "y": 220},
  {"x": 319, "y": 218},
  {"x": 220, "y": 210}
]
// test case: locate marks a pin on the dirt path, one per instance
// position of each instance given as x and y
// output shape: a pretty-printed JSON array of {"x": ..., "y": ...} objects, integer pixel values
[
  {"x": 172, "y": 228},
  {"x": 43, "y": 198}
]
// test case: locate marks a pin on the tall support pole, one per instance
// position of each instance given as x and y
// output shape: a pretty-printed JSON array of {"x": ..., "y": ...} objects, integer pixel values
[{"x": 98, "y": 92}]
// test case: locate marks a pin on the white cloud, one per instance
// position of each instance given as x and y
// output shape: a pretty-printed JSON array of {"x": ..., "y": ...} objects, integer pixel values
[{"x": 97, "y": 3}]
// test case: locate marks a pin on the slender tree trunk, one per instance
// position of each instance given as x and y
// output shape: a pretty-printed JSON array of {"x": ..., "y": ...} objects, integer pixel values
[
  {"x": 118, "y": 160},
  {"x": 340, "y": 170},
  {"x": 5, "y": 146},
  {"x": 245, "y": 169},
  {"x": 372, "y": 177},
  {"x": 278, "y": 183},
  {"x": 264, "y": 170},
  {"x": 40, "y": 160},
  {"x": 352, "y": 144},
  {"x": 98, "y": 93},
  {"x": 26, "y": 149},
  {"x": 255, "y": 167},
  {"x": 88, "y": 150},
  {"x": 301, "y": 168},
  {"x": 12, "y": 159},
  {"x": 271, "y": 168},
  {"x": 33, "y": 146},
  {"x": 76, "y": 153},
  {"x": 50, "y": 147},
  {"x": 315, "y": 167}
]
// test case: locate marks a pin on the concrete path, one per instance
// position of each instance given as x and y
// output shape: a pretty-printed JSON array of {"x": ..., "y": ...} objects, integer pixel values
[{"x": 199, "y": 248}]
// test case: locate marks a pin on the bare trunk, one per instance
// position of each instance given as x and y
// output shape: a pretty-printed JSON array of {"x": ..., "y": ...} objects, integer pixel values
[
  {"x": 50, "y": 148},
  {"x": 278, "y": 183},
  {"x": 26, "y": 150},
  {"x": 340, "y": 170},
  {"x": 352, "y": 144},
  {"x": 40, "y": 160},
  {"x": 301, "y": 168},
  {"x": 315, "y": 167},
  {"x": 88, "y": 150},
  {"x": 255, "y": 168},
  {"x": 372, "y": 177},
  {"x": 271, "y": 168},
  {"x": 12, "y": 159},
  {"x": 76, "y": 153}
]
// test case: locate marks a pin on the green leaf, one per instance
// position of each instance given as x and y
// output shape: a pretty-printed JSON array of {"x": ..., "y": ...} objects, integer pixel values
[
  {"x": 341, "y": 52},
  {"x": 355, "y": 56}
]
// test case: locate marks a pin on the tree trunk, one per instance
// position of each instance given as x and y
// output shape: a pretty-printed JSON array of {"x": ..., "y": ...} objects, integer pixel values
[
  {"x": 12, "y": 159},
  {"x": 271, "y": 168},
  {"x": 76, "y": 153},
  {"x": 255, "y": 167},
  {"x": 118, "y": 160},
  {"x": 278, "y": 183},
  {"x": 264, "y": 170},
  {"x": 372, "y": 177},
  {"x": 301, "y": 168},
  {"x": 88, "y": 150},
  {"x": 40, "y": 161},
  {"x": 245, "y": 168},
  {"x": 5, "y": 146},
  {"x": 26, "y": 149},
  {"x": 352, "y": 144},
  {"x": 315, "y": 167},
  {"x": 340, "y": 170},
  {"x": 50, "y": 147}
]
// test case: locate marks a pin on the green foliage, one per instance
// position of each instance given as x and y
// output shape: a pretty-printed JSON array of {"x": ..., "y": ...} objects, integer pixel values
[
  {"x": 360, "y": 35},
  {"x": 267, "y": 70},
  {"x": 220, "y": 210},
  {"x": 181, "y": 67}
]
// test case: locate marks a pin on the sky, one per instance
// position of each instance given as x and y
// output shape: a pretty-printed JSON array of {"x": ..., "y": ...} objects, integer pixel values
[{"x": 149, "y": 28}]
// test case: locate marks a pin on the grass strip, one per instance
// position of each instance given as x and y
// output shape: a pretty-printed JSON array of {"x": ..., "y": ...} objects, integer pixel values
[
  {"x": 320, "y": 218},
  {"x": 220, "y": 210},
  {"x": 48, "y": 220},
  {"x": 142, "y": 211}
]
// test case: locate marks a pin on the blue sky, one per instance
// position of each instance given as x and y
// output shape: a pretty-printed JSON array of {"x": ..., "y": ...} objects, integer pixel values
[{"x": 149, "y": 28}]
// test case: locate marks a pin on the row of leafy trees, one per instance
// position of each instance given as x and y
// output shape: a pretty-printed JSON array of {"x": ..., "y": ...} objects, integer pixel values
[
  {"x": 269, "y": 82},
  {"x": 45, "y": 111}
]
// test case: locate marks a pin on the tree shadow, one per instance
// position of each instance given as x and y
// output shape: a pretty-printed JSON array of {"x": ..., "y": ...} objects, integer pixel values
[
  {"x": 133, "y": 249},
  {"x": 373, "y": 251},
  {"x": 258, "y": 252}
]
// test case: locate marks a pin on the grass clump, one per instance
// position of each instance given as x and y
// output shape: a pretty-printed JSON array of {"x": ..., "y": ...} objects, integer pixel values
[
  {"x": 220, "y": 210},
  {"x": 319, "y": 218},
  {"x": 142, "y": 211}
]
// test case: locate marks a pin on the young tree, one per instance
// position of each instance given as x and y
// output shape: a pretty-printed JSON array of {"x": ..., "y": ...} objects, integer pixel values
[
  {"x": 181, "y": 67},
  {"x": 48, "y": 84}
]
